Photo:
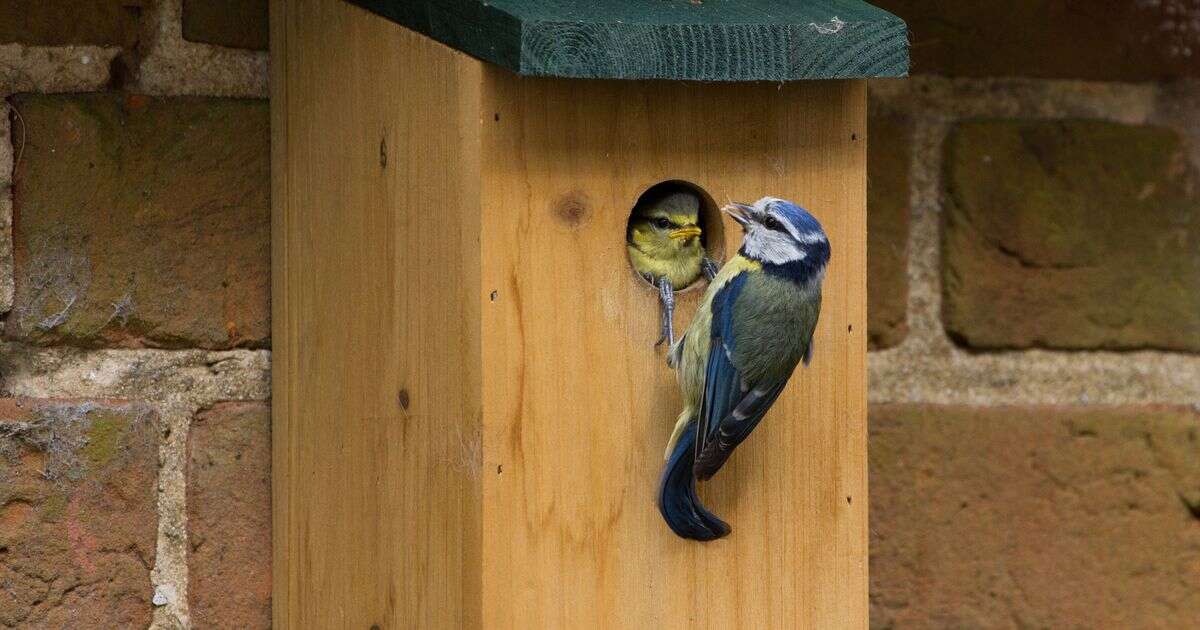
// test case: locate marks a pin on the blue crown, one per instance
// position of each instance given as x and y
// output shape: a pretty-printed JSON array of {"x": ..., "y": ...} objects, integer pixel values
[{"x": 800, "y": 218}]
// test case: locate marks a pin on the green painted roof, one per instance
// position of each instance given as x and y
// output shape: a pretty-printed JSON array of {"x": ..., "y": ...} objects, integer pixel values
[{"x": 703, "y": 40}]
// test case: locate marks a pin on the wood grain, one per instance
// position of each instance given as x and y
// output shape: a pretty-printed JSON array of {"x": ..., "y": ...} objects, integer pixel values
[
  {"x": 578, "y": 405},
  {"x": 747, "y": 40},
  {"x": 469, "y": 413},
  {"x": 376, "y": 381}
]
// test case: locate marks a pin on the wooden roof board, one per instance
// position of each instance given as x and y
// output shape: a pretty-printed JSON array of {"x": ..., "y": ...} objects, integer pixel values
[{"x": 701, "y": 40}]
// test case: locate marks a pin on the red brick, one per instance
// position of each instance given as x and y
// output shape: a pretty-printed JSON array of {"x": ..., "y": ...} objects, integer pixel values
[
  {"x": 229, "y": 516},
  {"x": 888, "y": 166},
  {"x": 233, "y": 23},
  {"x": 1070, "y": 234},
  {"x": 1111, "y": 40},
  {"x": 1034, "y": 517},
  {"x": 78, "y": 522},
  {"x": 142, "y": 221},
  {"x": 63, "y": 22}
]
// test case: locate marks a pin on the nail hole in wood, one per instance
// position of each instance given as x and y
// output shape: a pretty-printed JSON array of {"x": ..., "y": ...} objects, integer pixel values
[
  {"x": 402, "y": 397},
  {"x": 492, "y": 295}
]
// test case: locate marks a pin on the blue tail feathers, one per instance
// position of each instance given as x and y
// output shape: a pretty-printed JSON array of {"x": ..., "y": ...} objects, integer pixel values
[{"x": 677, "y": 498}]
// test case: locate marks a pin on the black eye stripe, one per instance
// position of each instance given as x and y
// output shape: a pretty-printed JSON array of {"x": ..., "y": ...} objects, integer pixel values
[{"x": 771, "y": 223}]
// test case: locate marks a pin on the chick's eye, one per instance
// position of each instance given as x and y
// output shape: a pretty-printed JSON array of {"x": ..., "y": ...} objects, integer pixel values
[{"x": 662, "y": 224}]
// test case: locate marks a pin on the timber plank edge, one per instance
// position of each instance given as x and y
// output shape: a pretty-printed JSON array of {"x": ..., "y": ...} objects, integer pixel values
[{"x": 714, "y": 40}]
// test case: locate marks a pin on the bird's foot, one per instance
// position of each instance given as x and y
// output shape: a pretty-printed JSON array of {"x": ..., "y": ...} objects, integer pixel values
[
  {"x": 666, "y": 295},
  {"x": 709, "y": 267}
]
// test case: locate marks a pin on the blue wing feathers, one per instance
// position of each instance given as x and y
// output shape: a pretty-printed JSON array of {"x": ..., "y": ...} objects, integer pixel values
[
  {"x": 731, "y": 407},
  {"x": 722, "y": 381}
]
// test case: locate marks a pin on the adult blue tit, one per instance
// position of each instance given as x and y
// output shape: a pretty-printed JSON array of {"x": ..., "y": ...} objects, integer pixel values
[
  {"x": 754, "y": 327},
  {"x": 665, "y": 248}
]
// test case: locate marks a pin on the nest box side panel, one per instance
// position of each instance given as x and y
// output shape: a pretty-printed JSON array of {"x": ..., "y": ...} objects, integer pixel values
[
  {"x": 577, "y": 406},
  {"x": 376, "y": 380}
]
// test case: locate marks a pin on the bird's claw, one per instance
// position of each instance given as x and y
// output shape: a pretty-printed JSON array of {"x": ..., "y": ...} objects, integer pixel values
[
  {"x": 666, "y": 295},
  {"x": 709, "y": 267},
  {"x": 668, "y": 335}
]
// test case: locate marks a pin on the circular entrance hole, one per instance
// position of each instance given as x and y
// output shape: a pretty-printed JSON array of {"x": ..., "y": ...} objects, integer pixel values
[{"x": 677, "y": 195}]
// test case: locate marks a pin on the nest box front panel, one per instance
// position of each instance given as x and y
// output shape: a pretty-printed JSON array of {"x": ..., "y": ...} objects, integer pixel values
[{"x": 578, "y": 404}]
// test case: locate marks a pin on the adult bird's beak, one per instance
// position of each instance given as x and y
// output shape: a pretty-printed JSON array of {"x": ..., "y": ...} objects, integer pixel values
[
  {"x": 740, "y": 213},
  {"x": 688, "y": 231}
]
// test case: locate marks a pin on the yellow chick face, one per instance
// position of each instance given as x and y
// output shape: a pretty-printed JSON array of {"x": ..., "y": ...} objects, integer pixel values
[{"x": 664, "y": 239}]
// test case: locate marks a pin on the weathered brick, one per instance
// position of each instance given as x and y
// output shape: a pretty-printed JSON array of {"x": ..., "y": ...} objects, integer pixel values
[
  {"x": 888, "y": 166},
  {"x": 1034, "y": 517},
  {"x": 1115, "y": 40},
  {"x": 6, "y": 261},
  {"x": 77, "y": 513},
  {"x": 142, "y": 222},
  {"x": 6, "y": 163},
  {"x": 64, "y": 22},
  {"x": 229, "y": 516},
  {"x": 1070, "y": 234},
  {"x": 234, "y": 23}
]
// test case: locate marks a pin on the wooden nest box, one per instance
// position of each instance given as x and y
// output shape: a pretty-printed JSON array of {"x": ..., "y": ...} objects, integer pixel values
[{"x": 469, "y": 413}]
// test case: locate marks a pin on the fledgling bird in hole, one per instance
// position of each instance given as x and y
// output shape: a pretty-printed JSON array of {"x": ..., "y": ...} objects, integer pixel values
[
  {"x": 753, "y": 328},
  {"x": 665, "y": 248}
]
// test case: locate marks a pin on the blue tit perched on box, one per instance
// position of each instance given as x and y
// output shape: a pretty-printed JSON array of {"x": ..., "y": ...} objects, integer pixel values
[
  {"x": 665, "y": 248},
  {"x": 753, "y": 328}
]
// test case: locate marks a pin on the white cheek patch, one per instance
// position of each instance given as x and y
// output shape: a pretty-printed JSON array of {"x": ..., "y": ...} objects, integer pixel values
[{"x": 771, "y": 246}]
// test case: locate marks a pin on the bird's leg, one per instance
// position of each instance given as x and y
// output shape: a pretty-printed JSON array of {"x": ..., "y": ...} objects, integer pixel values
[
  {"x": 666, "y": 295},
  {"x": 709, "y": 267}
]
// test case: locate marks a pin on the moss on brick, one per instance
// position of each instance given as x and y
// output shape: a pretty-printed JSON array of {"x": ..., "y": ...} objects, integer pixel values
[
  {"x": 1072, "y": 234},
  {"x": 53, "y": 508},
  {"x": 143, "y": 221},
  {"x": 79, "y": 478},
  {"x": 104, "y": 438}
]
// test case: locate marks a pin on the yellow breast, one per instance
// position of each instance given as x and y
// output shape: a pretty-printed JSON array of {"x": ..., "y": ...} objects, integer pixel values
[{"x": 681, "y": 266}]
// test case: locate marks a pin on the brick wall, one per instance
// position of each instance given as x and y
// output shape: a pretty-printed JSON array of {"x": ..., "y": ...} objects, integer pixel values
[
  {"x": 1034, "y": 297},
  {"x": 135, "y": 299},
  {"x": 1035, "y": 317}
]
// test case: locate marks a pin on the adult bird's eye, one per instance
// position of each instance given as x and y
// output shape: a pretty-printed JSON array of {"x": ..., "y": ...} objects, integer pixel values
[
  {"x": 772, "y": 223},
  {"x": 662, "y": 224}
]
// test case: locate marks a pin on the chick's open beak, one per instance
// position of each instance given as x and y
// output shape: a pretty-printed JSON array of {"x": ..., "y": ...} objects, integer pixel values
[
  {"x": 740, "y": 213},
  {"x": 685, "y": 232}
]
